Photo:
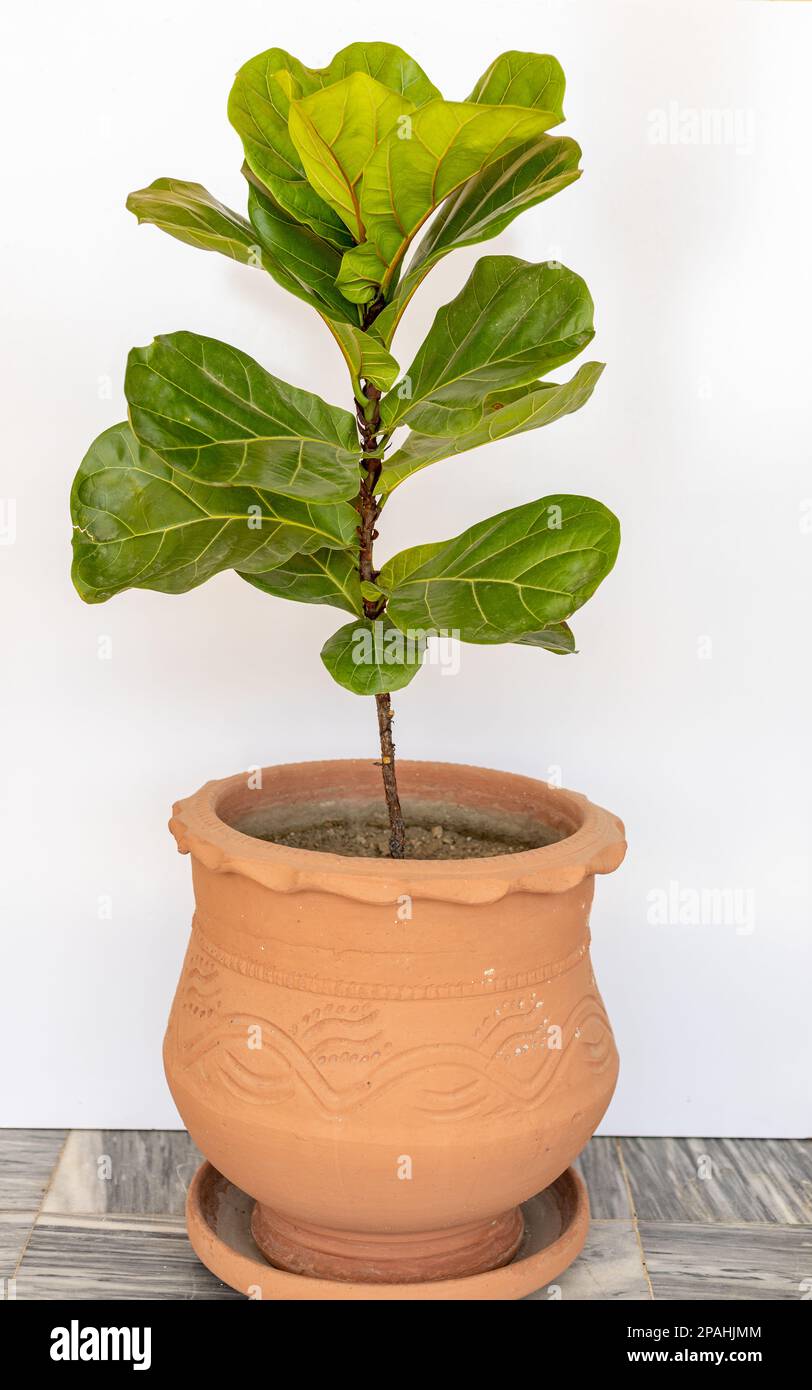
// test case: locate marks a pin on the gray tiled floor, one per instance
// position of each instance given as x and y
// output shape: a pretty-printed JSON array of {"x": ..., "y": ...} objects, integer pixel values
[
  {"x": 733, "y": 1180},
  {"x": 728, "y": 1262},
  {"x": 99, "y": 1214},
  {"x": 141, "y": 1172},
  {"x": 28, "y": 1159}
]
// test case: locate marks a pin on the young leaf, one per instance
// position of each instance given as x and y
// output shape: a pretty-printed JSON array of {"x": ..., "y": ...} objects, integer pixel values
[
  {"x": 336, "y": 131},
  {"x": 259, "y": 108},
  {"x": 366, "y": 358},
  {"x": 325, "y": 576},
  {"x": 140, "y": 524},
  {"x": 511, "y": 322},
  {"x": 507, "y": 413},
  {"x": 360, "y": 276},
  {"x": 523, "y": 79},
  {"x": 386, "y": 63},
  {"x": 370, "y": 656},
  {"x": 447, "y": 143},
  {"x": 509, "y": 576},
  {"x": 297, "y": 258},
  {"x": 214, "y": 413},
  {"x": 482, "y": 209}
]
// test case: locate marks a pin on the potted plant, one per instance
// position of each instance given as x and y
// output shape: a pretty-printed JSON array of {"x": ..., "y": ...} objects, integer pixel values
[{"x": 387, "y": 1031}]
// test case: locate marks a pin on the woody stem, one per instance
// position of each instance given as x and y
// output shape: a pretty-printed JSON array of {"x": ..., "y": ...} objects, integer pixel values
[{"x": 368, "y": 506}]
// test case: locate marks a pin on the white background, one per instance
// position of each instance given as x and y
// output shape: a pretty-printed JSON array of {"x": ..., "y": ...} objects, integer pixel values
[{"x": 699, "y": 437}]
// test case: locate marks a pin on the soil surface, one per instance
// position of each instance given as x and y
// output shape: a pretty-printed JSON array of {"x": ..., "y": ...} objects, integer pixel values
[{"x": 438, "y": 837}]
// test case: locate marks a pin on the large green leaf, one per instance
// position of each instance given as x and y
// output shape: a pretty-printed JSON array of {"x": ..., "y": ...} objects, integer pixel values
[
  {"x": 511, "y": 412},
  {"x": 259, "y": 109},
  {"x": 407, "y": 178},
  {"x": 214, "y": 413},
  {"x": 336, "y": 131},
  {"x": 325, "y": 576},
  {"x": 509, "y": 576},
  {"x": 140, "y": 524},
  {"x": 511, "y": 322},
  {"x": 370, "y": 656},
  {"x": 297, "y": 257},
  {"x": 482, "y": 208}
]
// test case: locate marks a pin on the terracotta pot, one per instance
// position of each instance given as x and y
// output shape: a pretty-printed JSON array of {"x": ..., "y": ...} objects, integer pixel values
[{"x": 390, "y": 1057}]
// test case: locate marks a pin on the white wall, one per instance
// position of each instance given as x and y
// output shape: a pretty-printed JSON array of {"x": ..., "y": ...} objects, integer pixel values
[{"x": 698, "y": 437}]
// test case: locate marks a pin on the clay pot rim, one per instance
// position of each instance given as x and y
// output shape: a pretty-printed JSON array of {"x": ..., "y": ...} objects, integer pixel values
[{"x": 596, "y": 845}]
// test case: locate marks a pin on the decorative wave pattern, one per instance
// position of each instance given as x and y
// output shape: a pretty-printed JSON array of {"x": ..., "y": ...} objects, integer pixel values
[{"x": 345, "y": 1063}]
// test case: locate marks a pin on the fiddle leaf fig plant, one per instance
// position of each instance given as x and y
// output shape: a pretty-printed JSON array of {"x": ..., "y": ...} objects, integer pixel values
[{"x": 360, "y": 177}]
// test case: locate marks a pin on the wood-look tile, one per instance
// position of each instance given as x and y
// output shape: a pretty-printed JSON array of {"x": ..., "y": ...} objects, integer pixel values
[
  {"x": 27, "y": 1158},
  {"x": 733, "y": 1180},
  {"x": 609, "y": 1268},
  {"x": 728, "y": 1263},
  {"x": 113, "y": 1258},
  {"x": 600, "y": 1167},
  {"x": 15, "y": 1228},
  {"x": 140, "y": 1172}
]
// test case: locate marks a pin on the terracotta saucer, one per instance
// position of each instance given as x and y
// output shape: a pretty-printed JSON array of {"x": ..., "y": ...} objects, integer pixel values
[{"x": 218, "y": 1216}]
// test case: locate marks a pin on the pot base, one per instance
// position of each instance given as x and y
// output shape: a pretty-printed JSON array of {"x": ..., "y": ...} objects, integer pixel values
[
  {"x": 219, "y": 1220},
  {"x": 318, "y": 1253}
]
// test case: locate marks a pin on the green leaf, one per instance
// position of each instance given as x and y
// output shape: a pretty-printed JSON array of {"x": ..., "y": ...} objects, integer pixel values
[
  {"x": 386, "y": 63},
  {"x": 336, "y": 131},
  {"x": 214, "y": 413},
  {"x": 308, "y": 266},
  {"x": 325, "y": 576},
  {"x": 259, "y": 108},
  {"x": 140, "y": 524},
  {"x": 511, "y": 322},
  {"x": 523, "y": 79},
  {"x": 298, "y": 259},
  {"x": 448, "y": 143},
  {"x": 558, "y": 639},
  {"x": 482, "y": 209},
  {"x": 360, "y": 276},
  {"x": 190, "y": 213},
  {"x": 511, "y": 575},
  {"x": 366, "y": 358},
  {"x": 506, "y": 413},
  {"x": 370, "y": 656}
]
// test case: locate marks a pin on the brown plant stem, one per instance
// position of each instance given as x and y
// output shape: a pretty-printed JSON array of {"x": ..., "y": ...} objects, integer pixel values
[
  {"x": 397, "y": 830},
  {"x": 368, "y": 506}
]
